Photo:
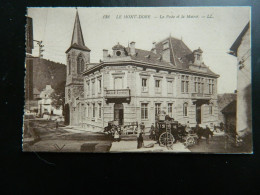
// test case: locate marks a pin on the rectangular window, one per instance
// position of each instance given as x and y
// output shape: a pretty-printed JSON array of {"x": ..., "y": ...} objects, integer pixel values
[
  {"x": 157, "y": 108},
  {"x": 93, "y": 87},
  {"x": 89, "y": 110},
  {"x": 182, "y": 86},
  {"x": 94, "y": 111},
  {"x": 99, "y": 86},
  {"x": 185, "y": 109},
  {"x": 144, "y": 85},
  {"x": 170, "y": 109},
  {"x": 187, "y": 87},
  {"x": 86, "y": 110},
  {"x": 185, "y": 84},
  {"x": 210, "y": 110},
  {"x": 157, "y": 86},
  {"x": 118, "y": 83},
  {"x": 88, "y": 88},
  {"x": 195, "y": 87},
  {"x": 99, "y": 110},
  {"x": 157, "y": 83},
  {"x": 170, "y": 86},
  {"x": 144, "y": 111}
]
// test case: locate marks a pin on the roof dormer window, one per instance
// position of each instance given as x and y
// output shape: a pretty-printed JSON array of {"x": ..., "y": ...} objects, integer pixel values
[
  {"x": 118, "y": 53},
  {"x": 165, "y": 45}
]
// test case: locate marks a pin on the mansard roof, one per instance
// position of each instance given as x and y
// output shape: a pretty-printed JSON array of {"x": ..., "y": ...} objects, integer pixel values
[{"x": 180, "y": 57}]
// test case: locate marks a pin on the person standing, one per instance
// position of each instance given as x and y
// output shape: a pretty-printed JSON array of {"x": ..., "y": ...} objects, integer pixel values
[
  {"x": 140, "y": 141},
  {"x": 116, "y": 136},
  {"x": 57, "y": 124},
  {"x": 142, "y": 126},
  {"x": 152, "y": 132}
]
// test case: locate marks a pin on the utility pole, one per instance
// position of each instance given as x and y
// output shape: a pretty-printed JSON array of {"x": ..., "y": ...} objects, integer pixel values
[{"x": 40, "y": 48}]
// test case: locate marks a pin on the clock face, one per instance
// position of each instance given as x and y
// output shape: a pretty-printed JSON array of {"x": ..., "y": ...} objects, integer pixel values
[{"x": 118, "y": 53}]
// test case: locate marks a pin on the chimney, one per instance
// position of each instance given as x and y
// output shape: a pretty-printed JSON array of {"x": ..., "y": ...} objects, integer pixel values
[
  {"x": 166, "y": 54},
  {"x": 198, "y": 57},
  {"x": 153, "y": 49},
  {"x": 105, "y": 54},
  {"x": 132, "y": 48}
]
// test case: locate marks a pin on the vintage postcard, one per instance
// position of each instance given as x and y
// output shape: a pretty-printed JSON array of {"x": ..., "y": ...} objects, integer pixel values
[{"x": 143, "y": 79}]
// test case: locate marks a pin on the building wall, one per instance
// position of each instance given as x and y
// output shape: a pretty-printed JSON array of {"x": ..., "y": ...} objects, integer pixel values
[
  {"x": 132, "y": 79},
  {"x": 244, "y": 85}
]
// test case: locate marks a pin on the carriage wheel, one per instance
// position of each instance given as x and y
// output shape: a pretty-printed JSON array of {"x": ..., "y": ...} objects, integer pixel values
[
  {"x": 190, "y": 141},
  {"x": 166, "y": 139}
]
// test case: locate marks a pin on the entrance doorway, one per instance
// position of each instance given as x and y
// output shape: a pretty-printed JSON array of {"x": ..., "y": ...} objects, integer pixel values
[
  {"x": 119, "y": 113},
  {"x": 66, "y": 114},
  {"x": 198, "y": 114}
]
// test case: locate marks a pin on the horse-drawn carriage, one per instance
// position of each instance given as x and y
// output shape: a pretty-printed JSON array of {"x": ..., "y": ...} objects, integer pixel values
[{"x": 170, "y": 131}]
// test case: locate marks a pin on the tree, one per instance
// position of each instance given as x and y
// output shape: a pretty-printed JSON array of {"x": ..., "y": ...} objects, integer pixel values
[{"x": 58, "y": 96}]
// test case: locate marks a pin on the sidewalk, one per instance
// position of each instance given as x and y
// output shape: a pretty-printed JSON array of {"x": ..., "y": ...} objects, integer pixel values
[
  {"x": 131, "y": 146},
  {"x": 76, "y": 129}
]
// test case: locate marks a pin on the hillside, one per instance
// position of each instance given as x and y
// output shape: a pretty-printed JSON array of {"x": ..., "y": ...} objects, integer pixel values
[{"x": 46, "y": 72}]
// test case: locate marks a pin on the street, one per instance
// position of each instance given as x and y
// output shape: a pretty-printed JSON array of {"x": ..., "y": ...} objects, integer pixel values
[{"x": 71, "y": 139}]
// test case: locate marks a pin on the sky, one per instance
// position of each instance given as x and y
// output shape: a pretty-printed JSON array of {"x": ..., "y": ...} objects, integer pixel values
[{"x": 213, "y": 29}]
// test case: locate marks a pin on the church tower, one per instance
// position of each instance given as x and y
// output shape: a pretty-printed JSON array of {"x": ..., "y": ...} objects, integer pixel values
[{"x": 78, "y": 58}]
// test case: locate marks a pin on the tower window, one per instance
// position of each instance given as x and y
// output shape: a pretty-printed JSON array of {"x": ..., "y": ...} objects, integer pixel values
[
  {"x": 80, "y": 64},
  {"x": 69, "y": 65}
]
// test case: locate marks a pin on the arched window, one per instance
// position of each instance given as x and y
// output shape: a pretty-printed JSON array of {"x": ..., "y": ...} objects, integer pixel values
[
  {"x": 80, "y": 64},
  {"x": 185, "y": 109},
  {"x": 211, "y": 109},
  {"x": 69, "y": 94}
]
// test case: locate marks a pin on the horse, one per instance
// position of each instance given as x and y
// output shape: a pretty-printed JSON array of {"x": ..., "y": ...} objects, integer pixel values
[{"x": 203, "y": 133}]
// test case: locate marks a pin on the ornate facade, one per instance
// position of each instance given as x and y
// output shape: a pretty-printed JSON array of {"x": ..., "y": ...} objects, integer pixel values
[{"x": 134, "y": 85}]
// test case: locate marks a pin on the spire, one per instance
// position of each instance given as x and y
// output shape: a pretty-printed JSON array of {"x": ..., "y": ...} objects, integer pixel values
[
  {"x": 77, "y": 36},
  {"x": 77, "y": 41}
]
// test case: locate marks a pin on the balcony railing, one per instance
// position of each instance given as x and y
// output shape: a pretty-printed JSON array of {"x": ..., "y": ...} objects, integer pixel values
[
  {"x": 200, "y": 95},
  {"x": 117, "y": 93}
]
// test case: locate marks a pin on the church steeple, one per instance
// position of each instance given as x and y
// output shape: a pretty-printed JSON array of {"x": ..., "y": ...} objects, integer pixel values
[
  {"x": 77, "y": 40},
  {"x": 77, "y": 36}
]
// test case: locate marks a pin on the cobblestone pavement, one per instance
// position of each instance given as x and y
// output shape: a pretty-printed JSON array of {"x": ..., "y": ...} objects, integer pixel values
[{"x": 131, "y": 146}]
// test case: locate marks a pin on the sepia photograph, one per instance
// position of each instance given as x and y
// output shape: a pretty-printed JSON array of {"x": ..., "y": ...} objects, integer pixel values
[{"x": 138, "y": 79}]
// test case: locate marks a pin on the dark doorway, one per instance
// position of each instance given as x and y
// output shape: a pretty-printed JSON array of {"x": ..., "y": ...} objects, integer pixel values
[
  {"x": 119, "y": 113},
  {"x": 198, "y": 114},
  {"x": 67, "y": 114}
]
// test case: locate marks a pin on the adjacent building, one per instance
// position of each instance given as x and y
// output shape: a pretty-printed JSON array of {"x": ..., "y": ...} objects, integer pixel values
[
  {"x": 135, "y": 85},
  {"x": 44, "y": 104},
  {"x": 241, "y": 49}
]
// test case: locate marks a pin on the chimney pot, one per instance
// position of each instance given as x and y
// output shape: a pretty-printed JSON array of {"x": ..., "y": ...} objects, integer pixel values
[
  {"x": 132, "y": 48},
  {"x": 105, "y": 54}
]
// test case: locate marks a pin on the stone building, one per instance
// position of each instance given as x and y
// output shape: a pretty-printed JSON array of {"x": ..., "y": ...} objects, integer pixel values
[
  {"x": 44, "y": 104},
  {"x": 132, "y": 84},
  {"x": 241, "y": 49}
]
